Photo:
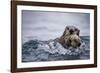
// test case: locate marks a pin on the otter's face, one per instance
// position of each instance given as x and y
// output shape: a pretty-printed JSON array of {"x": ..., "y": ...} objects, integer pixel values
[
  {"x": 73, "y": 41},
  {"x": 71, "y": 36},
  {"x": 70, "y": 30}
]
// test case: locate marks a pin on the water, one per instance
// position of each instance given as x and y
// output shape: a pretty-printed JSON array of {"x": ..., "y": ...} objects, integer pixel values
[{"x": 36, "y": 51}]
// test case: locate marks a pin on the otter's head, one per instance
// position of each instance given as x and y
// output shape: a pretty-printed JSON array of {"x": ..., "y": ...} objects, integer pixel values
[{"x": 70, "y": 37}]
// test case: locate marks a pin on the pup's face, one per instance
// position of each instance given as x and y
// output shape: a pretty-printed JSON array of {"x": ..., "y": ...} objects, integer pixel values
[
  {"x": 73, "y": 41},
  {"x": 71, "y": 36}
]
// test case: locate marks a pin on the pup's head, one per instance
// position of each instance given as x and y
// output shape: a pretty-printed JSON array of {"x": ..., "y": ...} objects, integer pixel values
[{"x": 71, "y": 37}]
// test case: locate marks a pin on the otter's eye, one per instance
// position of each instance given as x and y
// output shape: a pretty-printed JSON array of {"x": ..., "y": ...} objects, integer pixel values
[
  {"x": 70, "y": 41},
  {"x": 67, "y": 28},
  {"x": 75, "y": 29}
]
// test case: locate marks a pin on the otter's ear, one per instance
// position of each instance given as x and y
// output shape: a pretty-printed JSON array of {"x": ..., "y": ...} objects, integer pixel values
[{"x": 66, "y": 31}]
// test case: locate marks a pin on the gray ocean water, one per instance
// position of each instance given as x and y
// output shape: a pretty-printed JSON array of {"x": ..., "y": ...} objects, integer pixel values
[{"x": 37, "y": 50}]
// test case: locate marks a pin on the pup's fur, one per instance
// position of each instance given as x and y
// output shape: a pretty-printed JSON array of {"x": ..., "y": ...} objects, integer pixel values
[{"x": 70, "y": 37}]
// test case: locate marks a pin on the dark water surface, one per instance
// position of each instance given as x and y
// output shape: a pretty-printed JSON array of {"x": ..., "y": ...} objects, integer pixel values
[{"x": 36, "y": 51}]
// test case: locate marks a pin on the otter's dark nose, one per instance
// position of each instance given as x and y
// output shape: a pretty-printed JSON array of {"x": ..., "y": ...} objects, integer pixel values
[
  {"x": 71, "y": 31},
  {"x": 79, "y": 44}
]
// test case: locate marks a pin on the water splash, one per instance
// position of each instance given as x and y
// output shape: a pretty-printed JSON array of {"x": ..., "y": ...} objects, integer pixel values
[{"x": 35, "y": 50}]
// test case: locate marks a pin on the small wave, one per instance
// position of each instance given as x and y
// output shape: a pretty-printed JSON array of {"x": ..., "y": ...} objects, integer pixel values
[{"x": 36, "y": 50}]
